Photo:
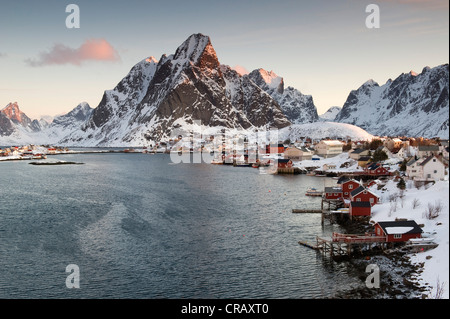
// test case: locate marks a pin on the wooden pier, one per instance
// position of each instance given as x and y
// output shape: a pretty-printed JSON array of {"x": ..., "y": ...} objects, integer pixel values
[
  {"x": 307, "y": 211},
  {"x": 348, "y": 244},
  {"x": 291, "y": 170}
]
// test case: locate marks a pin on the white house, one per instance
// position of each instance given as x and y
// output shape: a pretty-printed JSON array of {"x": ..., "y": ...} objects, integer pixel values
[
  {"x": 329, "y": 148},
  {"x": 430, "y": 168},
  {"x": 358, "y": 153},
  {"x": 427, "y": 150},
  {"x": 393, "y": 143}
]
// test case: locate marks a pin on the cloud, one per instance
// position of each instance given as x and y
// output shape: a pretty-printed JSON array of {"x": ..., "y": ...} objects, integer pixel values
[
  {"x": 90, "y": 50},
  {"x": 2, "y": 55},
  {"x": 240, "y": 69}
]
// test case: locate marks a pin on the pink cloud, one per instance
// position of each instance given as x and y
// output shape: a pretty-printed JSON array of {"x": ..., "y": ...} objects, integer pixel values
[
  {"x": 240, "y": 69},
  {"x": 90, "y": 50}
]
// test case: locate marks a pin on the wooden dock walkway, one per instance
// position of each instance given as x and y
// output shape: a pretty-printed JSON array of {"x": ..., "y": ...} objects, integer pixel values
[
  {"x": 347, "y": 244},
  {"x": 309, "y": 245},
  {"x": 307, "y": 211}
]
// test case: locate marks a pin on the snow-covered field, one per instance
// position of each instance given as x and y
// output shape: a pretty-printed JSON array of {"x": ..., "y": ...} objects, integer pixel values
[{"x": 413, "y": 205}]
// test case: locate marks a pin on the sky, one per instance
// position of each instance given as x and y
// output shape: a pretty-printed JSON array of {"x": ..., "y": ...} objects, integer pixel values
[{"x": 322, "y": 48}]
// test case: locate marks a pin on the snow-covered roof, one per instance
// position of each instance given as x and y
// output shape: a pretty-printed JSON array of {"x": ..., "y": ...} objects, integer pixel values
[
  {"x": 397, "y": 230},
  {"x": 332, "y": 143},
  {"x": 400, "y": 227}
]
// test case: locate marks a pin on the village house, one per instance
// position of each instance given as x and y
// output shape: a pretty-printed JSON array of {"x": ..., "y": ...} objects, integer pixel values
[
  {"x": 326, "y": 167},
  {"x": 360, "y": 209},
  {"x": 429, "y": 169},
  {"x": 307, "y": 153},
  {"x": 275, "y": 149},
  {"x": 362, "y": 194},
  {"x": 427, "y": 150},
  {"x": 358, "y": 152},
  {"x": 333, "y": 193},
  {"x": 284, "y": 163},
  {"x": 364, "y": 160},
  {"x": 329, "y": 148},
  {"x": 293, "y": 153},
  {"x": 398, "y": 231},
  {"x": 348, "y": 186},
  {"x": 403, "y": 152},
  {"x": 376, "y": 169},
  {"x": 393, "y": 143}
]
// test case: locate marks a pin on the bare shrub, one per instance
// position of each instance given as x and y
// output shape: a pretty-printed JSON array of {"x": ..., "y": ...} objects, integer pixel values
[
  {"x": 439, "y": 290},
  {"x": 392, "y": 208},
  {"x": 393, "y": 197},
  {"x": 433, "y": 211},
  {"x": 415, "y": 203}
]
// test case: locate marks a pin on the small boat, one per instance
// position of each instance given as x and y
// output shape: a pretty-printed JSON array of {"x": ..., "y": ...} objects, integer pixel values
[
  {"x": 313, "y": 192},
  {"x": 217, "y": 162}
]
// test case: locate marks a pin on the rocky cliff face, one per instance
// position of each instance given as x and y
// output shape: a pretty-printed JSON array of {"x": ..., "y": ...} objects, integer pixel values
[
  {"x": 298, "y": 108},
  {"x": 157, "y": 97},
  {"x": 413, "y": 104},
  {"x": 17, "y": 118}
]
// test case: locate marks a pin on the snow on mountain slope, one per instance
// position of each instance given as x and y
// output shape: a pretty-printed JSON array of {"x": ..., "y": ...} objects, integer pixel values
[
  {"x": 63, "y": 125},
  {"x": 156, "y": 96},
  {"x": 330, "y": 114},
  {"x": 413, "y": 105},
  {"x": 322, "y": 130},
  {"x": 298, "y": 108},
  {"x": 14, "y": 132}
]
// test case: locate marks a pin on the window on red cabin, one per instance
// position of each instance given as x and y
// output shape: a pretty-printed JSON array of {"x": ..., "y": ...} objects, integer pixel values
[
  {"x": 358, "y": 199},
  {"x": 350, "y": 186},
  {"x": 397, "y": 236}
]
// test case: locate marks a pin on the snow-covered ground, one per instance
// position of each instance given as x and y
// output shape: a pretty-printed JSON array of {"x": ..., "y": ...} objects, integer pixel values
[
  {"x": 343, "y": 163},
  {"x": 413, "y": 205}
]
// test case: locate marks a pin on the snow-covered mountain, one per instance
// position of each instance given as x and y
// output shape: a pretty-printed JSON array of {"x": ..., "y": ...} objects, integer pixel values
[
  {"x": 157, "y": 97},
  {"x": 330, "y": 114},
  {"x": 17, "y": 118},
  {"x": 413, "y": 105},
  {"x": 63, "y": 125},
  {"x": 298, "y": 108},
  {"x": 322, "y": 130},
  {"x": 17, "y": 128}
]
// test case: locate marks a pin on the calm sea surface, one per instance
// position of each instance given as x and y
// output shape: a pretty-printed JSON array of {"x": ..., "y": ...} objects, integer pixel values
[{"x": 139, "y": 226}]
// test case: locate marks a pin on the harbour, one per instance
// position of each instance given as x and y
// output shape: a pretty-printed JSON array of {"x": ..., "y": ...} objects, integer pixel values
[{"x": 184, "y": 231}]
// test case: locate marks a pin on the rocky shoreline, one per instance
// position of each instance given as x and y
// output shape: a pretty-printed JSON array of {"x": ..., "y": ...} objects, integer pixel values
[{"x": 398, "y": 276}]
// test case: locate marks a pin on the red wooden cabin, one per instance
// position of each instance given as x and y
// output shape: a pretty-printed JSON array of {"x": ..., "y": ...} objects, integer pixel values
[
  {"x": 360, "y": 209},
  {"x": 333, "y": 193},
  {"x": 348, "y": 186},
  {"x": 398, "y": 231},
  {"x": 362, "y": 194}
]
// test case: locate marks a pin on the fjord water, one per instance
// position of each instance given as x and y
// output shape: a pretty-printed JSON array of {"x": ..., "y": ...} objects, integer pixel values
[{"x": 139, "y": 226}]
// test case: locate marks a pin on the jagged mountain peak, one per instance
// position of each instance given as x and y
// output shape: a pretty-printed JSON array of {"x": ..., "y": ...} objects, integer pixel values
[
  {"x": 197, "y": 49},
  {"x": 412, "y": 104},
  {"x": 151, "y": 59},
  {"x": 13, "y": 112},
  {"x": 267, "y": 80},
  {"x": 370, "y": 83},
  {"x": 79, "y": 114}
]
